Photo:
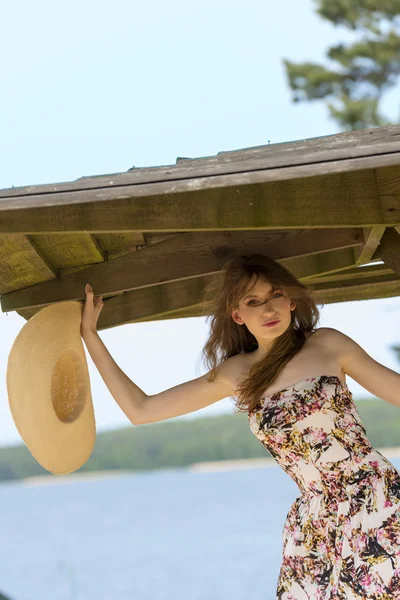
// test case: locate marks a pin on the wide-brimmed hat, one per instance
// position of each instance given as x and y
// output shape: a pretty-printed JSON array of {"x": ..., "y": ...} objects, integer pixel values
[{"x": 49, "y": 389}]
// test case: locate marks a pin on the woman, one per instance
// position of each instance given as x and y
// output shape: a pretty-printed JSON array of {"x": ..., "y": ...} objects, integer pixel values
[{"x": 341, "y": 537}]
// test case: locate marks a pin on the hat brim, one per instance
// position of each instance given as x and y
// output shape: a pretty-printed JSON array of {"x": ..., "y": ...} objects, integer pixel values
[{"x": 48, "y": 388}]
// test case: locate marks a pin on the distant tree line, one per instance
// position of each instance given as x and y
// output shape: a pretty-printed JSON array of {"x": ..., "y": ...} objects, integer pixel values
[{"x": 179, "y": 443}]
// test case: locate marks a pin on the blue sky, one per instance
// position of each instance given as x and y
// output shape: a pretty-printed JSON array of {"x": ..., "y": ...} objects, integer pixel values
[{"x": 96, "y": 87}]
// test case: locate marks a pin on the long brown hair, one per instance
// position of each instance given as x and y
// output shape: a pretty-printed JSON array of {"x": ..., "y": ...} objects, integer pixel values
[{"x": 227, "y": 338}]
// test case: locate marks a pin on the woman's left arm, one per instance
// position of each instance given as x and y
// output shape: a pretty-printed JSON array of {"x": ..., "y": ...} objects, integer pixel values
[{"x": 377, "y": 379}]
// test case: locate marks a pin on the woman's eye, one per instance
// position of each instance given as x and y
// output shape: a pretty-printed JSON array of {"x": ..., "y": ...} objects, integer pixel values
[{"x": 276, "y": 294}]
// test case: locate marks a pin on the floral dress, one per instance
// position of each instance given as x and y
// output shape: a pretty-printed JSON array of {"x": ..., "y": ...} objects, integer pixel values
[{"x": 341, "y": 537}]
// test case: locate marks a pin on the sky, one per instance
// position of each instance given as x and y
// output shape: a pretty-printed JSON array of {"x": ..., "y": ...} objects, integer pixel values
[{"x": 95, "y": 87}]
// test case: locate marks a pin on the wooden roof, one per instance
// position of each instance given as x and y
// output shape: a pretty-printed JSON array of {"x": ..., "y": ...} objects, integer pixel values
[{"x": 150, "y": 239}]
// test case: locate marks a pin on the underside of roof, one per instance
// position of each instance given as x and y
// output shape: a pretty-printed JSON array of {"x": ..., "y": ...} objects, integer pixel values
[{"x": 149, "y": 240}]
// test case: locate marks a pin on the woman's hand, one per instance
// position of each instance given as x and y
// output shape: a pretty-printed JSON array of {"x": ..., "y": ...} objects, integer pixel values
[{"x": 91, "y": 311}]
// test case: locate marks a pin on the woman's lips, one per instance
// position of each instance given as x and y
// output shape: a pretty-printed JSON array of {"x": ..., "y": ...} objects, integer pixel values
[{"x": 272, "y": 323}]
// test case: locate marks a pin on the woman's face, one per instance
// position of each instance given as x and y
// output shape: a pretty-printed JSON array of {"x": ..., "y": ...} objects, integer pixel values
[{"x": 263, "y": 304}]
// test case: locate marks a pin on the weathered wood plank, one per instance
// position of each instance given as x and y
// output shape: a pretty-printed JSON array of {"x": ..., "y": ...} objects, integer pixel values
[
  {"x": 322, "y": 263},
  {"x": 389, "y": 249},
  {"x": 359, "y": 292},
  {"x": 367, "y": 290},
  {"x": 118, "y": 244},
  {"x": 332, "y": 200},
  {"x": 68, "y": 250},
  {"x": 190, "y": 311},
  {"x": 181, "y": 257},
  {"x": 175, "y": 186},
  {"x": 388, "y": 180},
  {"x": 145, "y": 303},
  {"x": 351, "y": 274},
  {"x": 376, "y": 145},
  {"x": 21, "y": 265},
  {"x": 372, "y": 237},
  {"x": 123, "y": 244},
  {"x": 183, "y": 298}
]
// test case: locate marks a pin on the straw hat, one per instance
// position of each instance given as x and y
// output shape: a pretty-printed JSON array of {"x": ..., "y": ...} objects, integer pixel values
[{"x": 49, "y": 389}]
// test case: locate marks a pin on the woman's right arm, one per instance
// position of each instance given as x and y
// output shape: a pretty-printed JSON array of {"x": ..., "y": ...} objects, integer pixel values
[
  {"x": 140, "y": 408},
  {"x": 127, "y": 394},
  {"x": 187, "y": 397}
]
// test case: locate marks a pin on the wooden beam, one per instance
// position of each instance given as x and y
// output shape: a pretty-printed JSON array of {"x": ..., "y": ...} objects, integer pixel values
[
  {"x": 351, "y": 274},
  {"x": 372, "y": 238},
  {"x": 184, "y": 298},
  {"x": 146, "y": 304},
  {"x": 67, "y": 250},
  {"x": 389, "y": 249},
  {"x": 388, "y": 180},
  {"x": 367, "y": 291},
  {"x": 345, "y": 151},
  {"x": 180, "y": 257},
  {"x": 362, "y": 289},
  {"x": 322, "y": 201},
  {"x": 322, "y": 263},
  {"x": 379, "y": 290},
  {"x": 351, "y": 291},
  {"x": 113, "y": 245},
  {"x": 182, "y": 313},
  {"x": 21, "y": 264}
]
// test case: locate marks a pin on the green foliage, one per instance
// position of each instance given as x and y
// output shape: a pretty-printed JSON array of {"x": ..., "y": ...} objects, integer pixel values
[
  {"x": 357, "y": 14},
  {"x": 178, "y": 443},
  {"x": 365, "y": 69}
]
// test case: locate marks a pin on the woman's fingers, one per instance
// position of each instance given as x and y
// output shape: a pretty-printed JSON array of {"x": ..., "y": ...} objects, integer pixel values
[
  {"x": 89, "y": 294},
  {"x": 91, "y": 310}
]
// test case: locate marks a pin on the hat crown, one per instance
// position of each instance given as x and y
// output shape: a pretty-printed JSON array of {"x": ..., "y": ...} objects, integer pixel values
[{"x": 69, "y": 389}]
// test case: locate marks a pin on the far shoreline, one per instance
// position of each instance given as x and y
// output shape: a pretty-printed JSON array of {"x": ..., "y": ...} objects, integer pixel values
[{"x": 198, "y": 467}]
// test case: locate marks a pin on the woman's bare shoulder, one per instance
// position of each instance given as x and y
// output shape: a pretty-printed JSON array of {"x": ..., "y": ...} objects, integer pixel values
[
  {"x": 325, "y": 329},
  {"x": 329, "y": 333},
  {"x": 328, "y": 336},
  {"x": 322, "y": 331}
]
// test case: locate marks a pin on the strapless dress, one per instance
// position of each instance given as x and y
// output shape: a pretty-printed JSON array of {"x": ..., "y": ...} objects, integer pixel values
[{"x": 341, "y": 536}]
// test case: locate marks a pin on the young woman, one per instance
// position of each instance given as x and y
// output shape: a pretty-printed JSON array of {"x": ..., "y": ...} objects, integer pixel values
[{"x": 341, "y": 537}]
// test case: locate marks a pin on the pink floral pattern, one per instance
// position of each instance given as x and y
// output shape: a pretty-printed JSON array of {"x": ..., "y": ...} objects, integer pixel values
[{"x": 341, "y": 536}]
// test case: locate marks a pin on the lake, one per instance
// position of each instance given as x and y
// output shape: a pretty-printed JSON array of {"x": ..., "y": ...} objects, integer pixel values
[{"x": 152, "y": 535}]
